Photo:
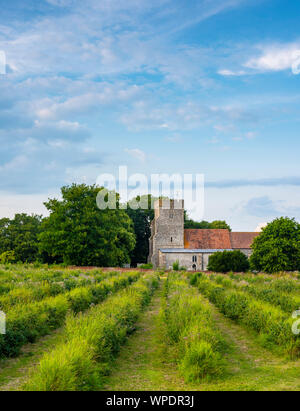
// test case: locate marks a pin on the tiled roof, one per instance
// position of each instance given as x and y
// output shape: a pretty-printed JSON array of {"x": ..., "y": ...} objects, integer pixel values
[
  {"x": 242, "y": 240},
  {"x": 188, "y": 250},
  {"x": 203, "y": 239},
  {"x": 217, "y": 239}
]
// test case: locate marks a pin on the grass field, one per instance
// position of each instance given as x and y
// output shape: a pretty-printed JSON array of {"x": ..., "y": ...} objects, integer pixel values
[{"x": 94, "y": 330}]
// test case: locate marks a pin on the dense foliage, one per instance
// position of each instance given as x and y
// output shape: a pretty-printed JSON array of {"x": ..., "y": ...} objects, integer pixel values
[
  {"x": 141, "y": 219},
  {"x": 19, "y": 238},
  {"x": 77, "y": 232},
  {"x": 277, "y": 248},
  {"x": 218, "y": 224},
  {"x": 225, "y": 261}
]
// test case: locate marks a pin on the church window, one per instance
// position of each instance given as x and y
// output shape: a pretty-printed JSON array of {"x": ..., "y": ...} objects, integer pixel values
[{"x": 194, "y": 258}]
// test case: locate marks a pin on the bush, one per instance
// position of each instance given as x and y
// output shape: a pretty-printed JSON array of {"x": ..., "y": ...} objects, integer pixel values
[
  {"x": 148, "y": 266},
  {"x": 176, "y": 266},
  {"x": 226, "y": 261},
  {"x": 8, "y": 257}
]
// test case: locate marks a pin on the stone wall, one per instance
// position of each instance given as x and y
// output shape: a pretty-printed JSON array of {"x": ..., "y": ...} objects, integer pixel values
[{"x": 186, "y": 260}]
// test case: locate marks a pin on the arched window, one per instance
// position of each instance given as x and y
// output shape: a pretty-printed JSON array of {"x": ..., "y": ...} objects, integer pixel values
[
  {"x": 194, "y": 258},
  {"x": 171, "y": 239}
]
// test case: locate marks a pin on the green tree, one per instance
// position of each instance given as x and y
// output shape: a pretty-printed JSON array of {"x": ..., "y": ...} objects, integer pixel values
[
  {"x": 225, "y": 261},
  {"x": 77, "y": 232},
  {"x": 189, "y": 223},
  {"x": 277, "y": 248},
  {"x": 20, "y": 235},
  {"x": 218, "y": 224},
  {"x": 141, "y": 218}
]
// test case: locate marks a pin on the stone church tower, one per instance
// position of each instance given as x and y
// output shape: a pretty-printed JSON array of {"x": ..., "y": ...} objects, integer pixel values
[{"x": 167, "y": 227}]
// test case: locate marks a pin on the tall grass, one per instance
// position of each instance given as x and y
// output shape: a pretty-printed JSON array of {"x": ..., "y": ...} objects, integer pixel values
[
  {"x": 270, "y": 322},
  {"x": 26, "y": 322},
  {"x": 91, "y": 342},
  {"x": 191, "y": 329}
]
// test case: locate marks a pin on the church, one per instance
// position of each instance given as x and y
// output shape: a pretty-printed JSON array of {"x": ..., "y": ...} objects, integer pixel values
[{"x": 171, "y": 242}]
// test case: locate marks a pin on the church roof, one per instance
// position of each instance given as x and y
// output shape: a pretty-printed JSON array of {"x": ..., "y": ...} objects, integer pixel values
[
  {"x": 217, "y": 239},
  {"x": 242, "y": 240}
]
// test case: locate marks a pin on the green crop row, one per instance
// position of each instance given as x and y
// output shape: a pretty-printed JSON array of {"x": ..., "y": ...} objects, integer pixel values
[
  {"x": 276, "y": 292},
  {"x": 20, "y": 275},
  {"x": 270, "y": 322},
  {"x": 26, "y": 322},
  {"x": 29, "y": 293},
  {"x": 190, "y": 327},
  {"x": 92, "y": 341}
]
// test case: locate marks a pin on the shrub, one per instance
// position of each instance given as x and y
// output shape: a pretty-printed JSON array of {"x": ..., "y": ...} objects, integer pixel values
[
  {"x": 176, "y": 266},
  {"x": 148, "y": 266},
  {"x": 226, "y": 261},
  {"x": 7, "y": 257}
]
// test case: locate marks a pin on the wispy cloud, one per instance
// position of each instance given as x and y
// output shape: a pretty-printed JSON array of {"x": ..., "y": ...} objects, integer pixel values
[
  {"x": 136, "y": 153},
  {"x": 264, "y": 182}
]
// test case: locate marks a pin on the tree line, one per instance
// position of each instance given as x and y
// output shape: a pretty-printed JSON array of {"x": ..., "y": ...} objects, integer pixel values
[{"x": 77, "y": 232}]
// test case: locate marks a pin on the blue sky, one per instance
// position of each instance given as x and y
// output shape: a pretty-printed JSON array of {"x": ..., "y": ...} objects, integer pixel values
[{"x": 163, "y": 86}]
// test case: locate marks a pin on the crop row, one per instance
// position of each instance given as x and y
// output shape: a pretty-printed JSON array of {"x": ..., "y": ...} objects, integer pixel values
[
  {"x": 91, "y": 342},
  {"x": 29, "y": 293},
  {"x": 26, "y": 322},
  {"x": 190, "y": 327},
  {"x": 273, "y": 325},
  {"x": 281, "y": 293}
]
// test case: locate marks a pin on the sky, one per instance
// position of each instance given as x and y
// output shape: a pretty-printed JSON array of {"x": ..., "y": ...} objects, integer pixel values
[{"x": 168, "y": 86}]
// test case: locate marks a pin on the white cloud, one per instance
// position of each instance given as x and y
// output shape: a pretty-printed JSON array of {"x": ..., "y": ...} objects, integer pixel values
[
  {"x": 229, "y": 73},
  {"x": 136, "y": 153},
  {"x": 275, "y": 57},
  {"x": 260, "y": 227}
]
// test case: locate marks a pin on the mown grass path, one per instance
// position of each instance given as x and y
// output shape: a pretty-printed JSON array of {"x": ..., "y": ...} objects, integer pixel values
[
  {"x": 14, "y": 371},
  {"x": 147, "y": 363}
]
